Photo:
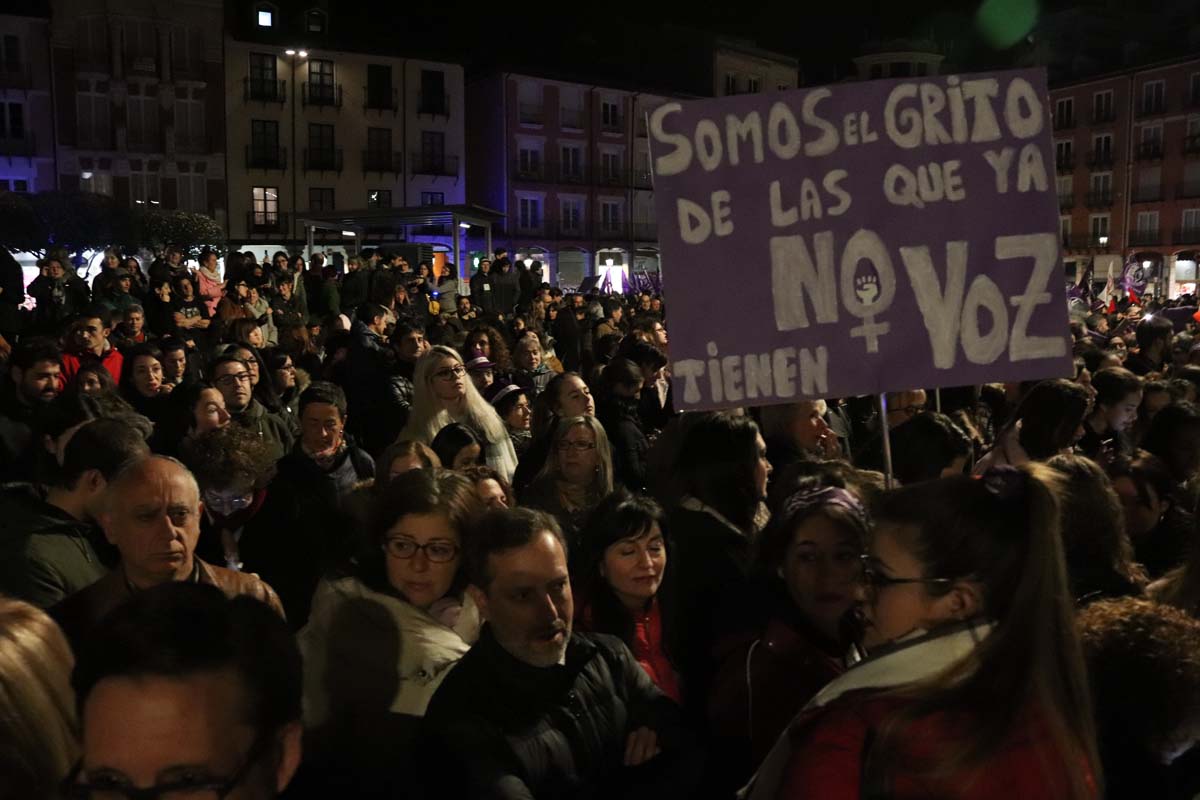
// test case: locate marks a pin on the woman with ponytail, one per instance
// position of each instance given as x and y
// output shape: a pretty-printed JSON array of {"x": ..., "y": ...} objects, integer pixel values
[{"x": 973, "y": 686}]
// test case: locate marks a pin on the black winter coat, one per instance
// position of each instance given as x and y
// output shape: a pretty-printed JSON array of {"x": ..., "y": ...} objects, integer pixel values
[
  {"x": 500, "y": 728},
  {"x": 619, "y": 416}
]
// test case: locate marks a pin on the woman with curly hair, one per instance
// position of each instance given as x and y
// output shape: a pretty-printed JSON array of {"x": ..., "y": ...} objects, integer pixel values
[
  {"x": 486, "y": 341},
  {"x": 1144, "y": 666},
  {"x": 245, "y": 525}
]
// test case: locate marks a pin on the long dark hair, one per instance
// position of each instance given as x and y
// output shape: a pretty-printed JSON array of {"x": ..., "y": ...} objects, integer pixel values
[
  {"x": 1003, "y": 532},
  {"x": 621, "y": 515},
  {"x": 1050, "y": 415},
  {"x": 717, "y": 463}
]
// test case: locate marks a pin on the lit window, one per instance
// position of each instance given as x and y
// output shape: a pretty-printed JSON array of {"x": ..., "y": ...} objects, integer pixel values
[{"x": 266, "y": 18}]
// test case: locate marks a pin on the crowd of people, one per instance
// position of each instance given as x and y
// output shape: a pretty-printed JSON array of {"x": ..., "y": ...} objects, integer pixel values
[{"x": 304, "y": 529}]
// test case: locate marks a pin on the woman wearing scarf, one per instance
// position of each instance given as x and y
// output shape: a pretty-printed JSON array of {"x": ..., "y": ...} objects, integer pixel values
[{"x": 974, "y": 684}]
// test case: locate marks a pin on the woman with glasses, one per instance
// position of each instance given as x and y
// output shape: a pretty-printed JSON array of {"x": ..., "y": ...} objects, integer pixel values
[
  {"x": 288, "y": 382},
  {"x": 808, "y": 568},
  {"x": 387, "y": 627},
  {"x": 974, "y": 683},
  {"x": 442, "y": 393},
  {"x": 577, "y": 475},
  {"x": 566, "y": 395}
]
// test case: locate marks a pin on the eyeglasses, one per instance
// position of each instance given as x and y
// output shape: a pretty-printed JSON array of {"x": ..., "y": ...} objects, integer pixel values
[
  {"x": 876, "y": 580},
  {"x": 203, "y": 788},
  {"x": 221, "y": 504},
  {"x": 439, "y": 552},
  {"x": 450, "y": 373},
  {"x": 909, "y": 411},
  {"x": 578, "y": 447},
  {"x": 230, "y": 380}
]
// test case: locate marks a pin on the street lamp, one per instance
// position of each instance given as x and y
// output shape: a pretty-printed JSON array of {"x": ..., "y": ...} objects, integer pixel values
[{"x": 292, "y": 53}]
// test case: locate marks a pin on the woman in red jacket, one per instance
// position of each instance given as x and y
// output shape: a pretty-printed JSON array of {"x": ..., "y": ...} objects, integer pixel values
[
  {"x": 623, "y": 564},
  {"x": 974, "y": 687}
]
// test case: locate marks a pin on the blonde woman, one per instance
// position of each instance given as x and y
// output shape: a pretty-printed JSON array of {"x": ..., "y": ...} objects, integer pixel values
[
  {"x": 442, "y": 393},
  {"x": 37, "y": 706},
  {"x": 578, "y": 474}
]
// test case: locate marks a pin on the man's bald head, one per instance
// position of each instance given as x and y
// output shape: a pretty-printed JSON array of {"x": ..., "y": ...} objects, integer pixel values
[{"x": 153, "y": 518}]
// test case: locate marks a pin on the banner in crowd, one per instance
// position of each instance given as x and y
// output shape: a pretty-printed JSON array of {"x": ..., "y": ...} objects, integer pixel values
[{"x": 860, "y": 238}]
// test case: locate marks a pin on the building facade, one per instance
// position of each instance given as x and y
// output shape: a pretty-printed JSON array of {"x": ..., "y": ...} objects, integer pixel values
[
  {"x": 1127, "y": 152},
  {"x": 316, "y": 126},
  {"x": 27, "y": 157},
  {"x": 138, "y": 102}
]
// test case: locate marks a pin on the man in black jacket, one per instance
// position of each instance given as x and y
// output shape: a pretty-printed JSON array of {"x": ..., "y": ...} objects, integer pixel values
[
  {"x": 535, "y": 710},
  {"x": 35, "y": 370}
]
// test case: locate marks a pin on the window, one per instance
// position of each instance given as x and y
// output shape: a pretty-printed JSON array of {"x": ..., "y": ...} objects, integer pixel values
[
  {"x": 143, "y": 183},
  {"x": 730, "y": 83},
  {"x": 1099, "y": 223},
  {"x": 1154, "y": 97},
  {"x": 570, "y": 214},
  {"x": 96, "y": 182},
  {"x": 901, "y": 69},
  {"x": 1102, "y": 148},
  {"x": 1191, "y": 219},
  {"x": 610, "y": 215},
  {"x": 529, "y": 161},
  {"x": 753, "y": 85},
  {"x": 10, "y": 57},
  {"x": 18, "y": 185},
  {"x": 571, "y": 113},
  {"x": 187, "y": 51},
  {"x": 1064, "y": 186},
  {"x": 433, "y": 198},
  {"x": 572, "y": 161},
  {"x": 433, "y": 149},
  {"x": 379, "y": 147},
  {"x": 610, "y": 166},
  {"x": 266, "y": 16},
  {"x": 93, "y": 115},
  {"x": 1100, "y": 184},
  {"x": 320, "y": 199},
  {"x": 192, "y": 194},
  {"x": 12, "y": 121},
  {"x": 529, "y": 101},
  {"x": 530, "y": 213},
  {"x": 92, "y": 41},
  {"x": 141, "y": 111},
  {"x": 1064, "y": 112},
  {"x": 433, "y": 99},
  {"x": 1064, "y": 155},
  {"x": 610, "y": 115},
  {"x": 1102, "y": 106},
  {"x": 265, "y": 201},
  {"x": 315, "y": 21},
  {"x": 189, "y": 119},
  {"x": 1149, "y": 184},
  {"x": 1064, "y": 230},
  {"x": 1191, "y": 180},
  {"x": 1147, "y": 222},
  {"x": 320, "y": 137},
  {"x": 262, "y": 84},
  {"x": 264, "y": 141},
  {"x": 379, "y": 86},
  {"x": 320, "y": 81},
  {"x": 379, "y": 198}
]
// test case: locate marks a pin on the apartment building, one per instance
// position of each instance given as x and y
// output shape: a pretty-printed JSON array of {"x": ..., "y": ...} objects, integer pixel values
[
  {"x": 1127, "y": 152},
  {"x": 318, "y": 123},
  {"x": 26, "y": 112}
]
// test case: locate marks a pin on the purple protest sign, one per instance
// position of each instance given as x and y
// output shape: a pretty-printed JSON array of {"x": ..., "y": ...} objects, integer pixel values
[{"x": 860, "y": 238}]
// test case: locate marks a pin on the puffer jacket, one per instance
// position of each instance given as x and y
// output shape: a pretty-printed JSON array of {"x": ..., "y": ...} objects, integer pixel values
[{"x": 500, "y": 728}]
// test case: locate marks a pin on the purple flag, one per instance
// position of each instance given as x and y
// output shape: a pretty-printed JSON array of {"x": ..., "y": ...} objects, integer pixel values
[
  {"x": 860, "y": 238},
  {"x": 1135, "y": 277}
]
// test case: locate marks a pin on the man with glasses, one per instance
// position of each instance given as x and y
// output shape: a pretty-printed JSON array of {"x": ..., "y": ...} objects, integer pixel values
[
  {"x": 152, "y": 516},
  {"x": 535, "y": 709},
  {"x": 233, "y": 380},
  {"x": 187, "y": 693}
]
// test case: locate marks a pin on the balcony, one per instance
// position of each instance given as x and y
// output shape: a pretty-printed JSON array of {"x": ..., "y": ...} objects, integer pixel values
[
  {"x": 573, "y": 229},
  {"x": 262, "y": 90},
  {"x": 613, "y": 125},
  {"x": 531, "y": 114},
  {"x": 530, "y": 227},
  {"x": 382, "y": 161},
  {"x": 1099, "y": 199},
  {"x": 1065, "y": 163},
  {"x": 435, "y": 104},
  {"x": 571, "y": 118},
  {"x": 1097, "y": 159},
  {"x": 1187, "y": 191},
  {"x": 1103, "y": 116},
  {"x": 618, "y": 177},
  {"x": 575, "y": 176},
  {"x": 642, "y": 179},
  {"x": 1152, "y": 108},
  {"x": 1066, "y": 203},
  {"x": 15, "y": 76},
  {"x": 645, "y": 231},
  {"x": 380, "y": 98},
  {"x": 1191, "y": 145},
  {"x": 1087, "y": 241},
  {"x": 194, "y": 142},
  {"x": 1064, "y": 123},
  {"x": 321, "y": 95},
  {"x": 1149, "y": 151},
  {"x": 436, "y": 165},
  {"x": 1186, "y": 236},
  {"x": 18, "y": 146},
  {"x": 529, "y": 171},
  {"x": 1148, "y": 194},
  {"x": 1145, "y": 238},
  {"x": 266, "y": 157},
  {"x": 323, "y": 159},
  {"x": 612, "y": 229},
  {"x": 264, "y": 223}
]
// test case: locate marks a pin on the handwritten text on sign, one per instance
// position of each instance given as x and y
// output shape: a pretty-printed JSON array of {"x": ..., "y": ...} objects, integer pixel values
[{"x": 860, "y": 238}]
